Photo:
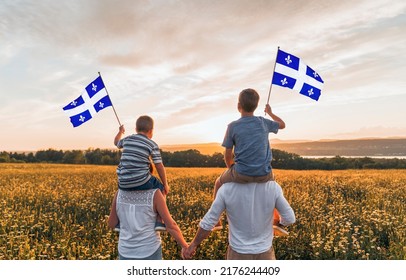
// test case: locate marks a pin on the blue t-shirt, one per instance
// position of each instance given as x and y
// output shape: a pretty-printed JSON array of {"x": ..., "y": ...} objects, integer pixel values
[{"x": 249, "y": 137}]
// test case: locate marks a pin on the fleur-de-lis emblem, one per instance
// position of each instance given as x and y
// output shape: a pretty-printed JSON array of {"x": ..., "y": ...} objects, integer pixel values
[
  {"x": 315, "y": 74},
  {"x": 82, "y": 118},
  {"x": 73, "y": 103},
  {"x": 94, "y": 87},
  {"x": 101, "y": 104},
  {"x": 284, "y": 81},
  {"x": 310, "y": 92},
  {"x": 288, "y": 60}
]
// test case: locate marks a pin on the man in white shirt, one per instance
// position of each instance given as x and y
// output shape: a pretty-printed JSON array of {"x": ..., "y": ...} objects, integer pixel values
[{"x": 250, "y": 209}]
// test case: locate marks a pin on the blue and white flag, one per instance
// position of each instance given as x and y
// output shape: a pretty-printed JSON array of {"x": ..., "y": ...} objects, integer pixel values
[
  {"x": 89, "y": 103},
  {"x": 292, "y": 72}
]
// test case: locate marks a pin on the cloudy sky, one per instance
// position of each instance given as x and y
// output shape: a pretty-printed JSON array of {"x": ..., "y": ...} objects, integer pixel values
[{"x": 184, "y": 63}]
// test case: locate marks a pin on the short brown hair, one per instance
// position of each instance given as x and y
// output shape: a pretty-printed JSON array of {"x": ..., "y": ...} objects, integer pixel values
[
  {"x": 144, "y": 124},
  {"x": 248, "y": 100}
]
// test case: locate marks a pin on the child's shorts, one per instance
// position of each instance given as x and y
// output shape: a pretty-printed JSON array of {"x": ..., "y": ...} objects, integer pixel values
[
  {"x": 230, "y": 175},
  {"x": 152, "y": 183}
]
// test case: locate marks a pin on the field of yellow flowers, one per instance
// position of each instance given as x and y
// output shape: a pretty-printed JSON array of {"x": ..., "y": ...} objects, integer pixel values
[{"x": 50, "y": 211}]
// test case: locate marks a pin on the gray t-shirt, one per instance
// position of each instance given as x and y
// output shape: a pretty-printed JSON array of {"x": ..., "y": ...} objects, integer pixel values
[{"x": 249, "y": 137}]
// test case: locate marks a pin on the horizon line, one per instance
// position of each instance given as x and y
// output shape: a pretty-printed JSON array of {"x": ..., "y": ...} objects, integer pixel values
[{"x": 278, "y": 141}]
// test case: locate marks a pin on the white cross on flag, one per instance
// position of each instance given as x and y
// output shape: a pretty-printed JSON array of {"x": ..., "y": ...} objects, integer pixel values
[
  {"x": 292, "y": 72},
  {"x": 89, "y": 103}
]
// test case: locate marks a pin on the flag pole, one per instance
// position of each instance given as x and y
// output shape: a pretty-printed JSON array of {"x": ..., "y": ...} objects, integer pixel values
[
  {"x": 270, "y": 88},
  {"x": 115, "y": 113}
]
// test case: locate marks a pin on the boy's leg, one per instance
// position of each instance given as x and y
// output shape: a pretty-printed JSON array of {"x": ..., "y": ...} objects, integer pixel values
[
  {"x": 276, "y": 217},
  {"x": 225, "y": 177},
  {"x": 217, "y": 186},
  {"x": 117, "y": 227},
  {"x": 278, "y": 230},
  {"x": 159, "y": 223},
  {"x": 154, "y": 183}
]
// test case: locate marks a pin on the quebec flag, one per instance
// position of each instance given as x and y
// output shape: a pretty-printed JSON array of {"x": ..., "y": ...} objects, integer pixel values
[
  {"x": 292, "y": 72},
  {"x": 88, "y": 104}
]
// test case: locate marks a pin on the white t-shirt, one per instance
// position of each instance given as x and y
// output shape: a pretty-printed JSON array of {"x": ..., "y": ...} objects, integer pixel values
[
  {"x": 250, "y": 210},
  {"x": 135, "y": 211}
]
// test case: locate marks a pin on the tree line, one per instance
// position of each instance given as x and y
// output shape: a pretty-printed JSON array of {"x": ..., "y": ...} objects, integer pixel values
[{"x": 193, "y": 158}]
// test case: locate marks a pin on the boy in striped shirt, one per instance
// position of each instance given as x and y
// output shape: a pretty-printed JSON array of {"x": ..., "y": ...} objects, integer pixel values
[{"x": 138, "y": 150}]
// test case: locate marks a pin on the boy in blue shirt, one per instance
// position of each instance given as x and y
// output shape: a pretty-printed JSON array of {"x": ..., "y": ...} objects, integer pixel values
[{"x": 248, "y": 137}]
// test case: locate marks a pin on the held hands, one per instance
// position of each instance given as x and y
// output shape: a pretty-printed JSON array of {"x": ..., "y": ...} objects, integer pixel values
[
  {"x": 187, "y": 253},
  {"x": 184, "y": 255}
]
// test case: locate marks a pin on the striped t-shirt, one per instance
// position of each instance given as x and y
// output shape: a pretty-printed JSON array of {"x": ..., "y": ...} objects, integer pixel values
[{"x": 133, "y": 169}]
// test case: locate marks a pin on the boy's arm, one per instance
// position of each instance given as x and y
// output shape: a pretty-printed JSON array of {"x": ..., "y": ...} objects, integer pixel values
[
  {"x": 160, "y": 168},
  {"x": 277, "y": 119},
  {"x": 228, "y": 157},
  {"x": 120, "y": 133}
]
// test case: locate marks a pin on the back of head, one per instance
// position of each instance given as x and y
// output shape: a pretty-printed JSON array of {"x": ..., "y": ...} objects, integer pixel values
[
  {"x": 248, "y": 100},
  {"x": 144, "y": 124}
]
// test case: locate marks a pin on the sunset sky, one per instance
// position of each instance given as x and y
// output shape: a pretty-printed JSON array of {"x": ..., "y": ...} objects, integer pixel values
[{"x": 184, "y": 63}]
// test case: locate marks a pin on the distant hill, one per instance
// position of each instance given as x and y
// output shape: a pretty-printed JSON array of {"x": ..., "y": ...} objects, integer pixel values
[
  {"x": 355, "y": 147},
  {"x": 205, "y": 148}
]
